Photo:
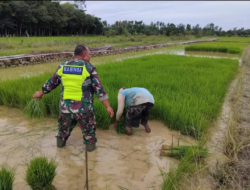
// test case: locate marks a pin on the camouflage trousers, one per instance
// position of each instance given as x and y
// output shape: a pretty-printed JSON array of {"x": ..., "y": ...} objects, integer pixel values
[
  {"x": 135, "y": 114},
  {"x": 86, "y": 121}
]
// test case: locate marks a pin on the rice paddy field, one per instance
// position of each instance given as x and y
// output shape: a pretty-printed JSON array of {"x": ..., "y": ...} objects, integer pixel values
[
  {"x": 28, "y": 45},
  {"x": 180, "y": 91},
  {"x": 219, "y": 46},
  {"x": 189, "y": 93}
]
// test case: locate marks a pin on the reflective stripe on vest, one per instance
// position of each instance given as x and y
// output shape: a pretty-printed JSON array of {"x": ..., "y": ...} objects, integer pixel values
[{"x": 72, "y": 77}]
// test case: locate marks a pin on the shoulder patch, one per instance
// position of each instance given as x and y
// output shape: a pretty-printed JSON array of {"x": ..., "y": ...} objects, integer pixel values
[{"x": 72, "y": 70}]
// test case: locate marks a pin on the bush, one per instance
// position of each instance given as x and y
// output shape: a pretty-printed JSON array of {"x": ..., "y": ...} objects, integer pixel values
[
  {"x": 110, "y": 33},
  {"x": 40, "y": 173},
  {"x": 126, "y": 33},
  {"x": 6, "y": 178}
]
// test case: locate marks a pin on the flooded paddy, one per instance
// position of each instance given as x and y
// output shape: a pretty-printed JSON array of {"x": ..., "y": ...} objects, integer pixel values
[{"x": 119, "y": 160}]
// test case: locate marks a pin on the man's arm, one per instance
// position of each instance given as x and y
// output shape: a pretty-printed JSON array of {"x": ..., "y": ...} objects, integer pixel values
[
  {"x": 121, "y": 104},
  {"x": 50, "y": 85},
  {"x": 100, "y": 92}
]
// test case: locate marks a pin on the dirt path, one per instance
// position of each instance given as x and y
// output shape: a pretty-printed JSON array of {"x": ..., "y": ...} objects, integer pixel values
[{"x": 119, "y": 160}]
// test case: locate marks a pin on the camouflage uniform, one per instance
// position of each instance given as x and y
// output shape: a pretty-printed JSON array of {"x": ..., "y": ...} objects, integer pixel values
[{"x": 81, "y": 112}]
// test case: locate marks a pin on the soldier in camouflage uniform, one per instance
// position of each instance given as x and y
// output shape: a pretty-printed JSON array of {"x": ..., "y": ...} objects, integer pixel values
[
  {"x": 79, "y": 81},
  {"x": 139, "y": 103}
]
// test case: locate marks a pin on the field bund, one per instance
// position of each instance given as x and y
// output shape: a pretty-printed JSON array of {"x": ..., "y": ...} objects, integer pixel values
[{"x": 31, "y": 59}]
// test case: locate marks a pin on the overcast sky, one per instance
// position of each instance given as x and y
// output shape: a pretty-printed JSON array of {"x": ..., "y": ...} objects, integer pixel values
[{"x": 226, "y": 14}]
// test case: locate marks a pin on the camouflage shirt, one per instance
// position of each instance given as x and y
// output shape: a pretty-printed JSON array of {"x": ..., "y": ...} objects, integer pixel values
[{"x": 90, "y": 86}]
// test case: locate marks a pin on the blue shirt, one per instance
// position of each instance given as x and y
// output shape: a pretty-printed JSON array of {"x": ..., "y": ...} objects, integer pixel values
[{"x": 136, "y": 96}]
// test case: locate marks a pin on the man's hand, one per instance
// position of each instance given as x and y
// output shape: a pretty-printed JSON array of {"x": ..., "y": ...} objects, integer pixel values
[
  {"x": 110, "y": 111},
  {"x": 38, "y": 94}
]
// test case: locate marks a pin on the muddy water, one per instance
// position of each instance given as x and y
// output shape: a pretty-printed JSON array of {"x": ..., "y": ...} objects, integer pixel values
[
  {"x": 119, "y": 160},
  {"x": 188, "y": 53},
  {"x": 212, "y": 54}
]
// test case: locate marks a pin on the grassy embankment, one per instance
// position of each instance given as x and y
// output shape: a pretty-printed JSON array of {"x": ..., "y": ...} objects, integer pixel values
[
  {"x": 34, "y": 70},
  {"x": 233, "y": 171},
  {"x": 234, "y": 39},
  {"x": 24, "y": 45}
]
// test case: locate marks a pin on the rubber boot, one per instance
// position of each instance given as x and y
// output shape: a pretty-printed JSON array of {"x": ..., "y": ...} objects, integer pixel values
[
  {"x": 60, "y": 143},
  {"x": 90, "y": 147}
]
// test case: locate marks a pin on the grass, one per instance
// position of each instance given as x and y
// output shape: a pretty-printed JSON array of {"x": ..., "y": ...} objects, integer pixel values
[
  {"x": 234, "y": 39},
  {"x": 234, "y": 173},
  {"x": 225, "y": 47},
  {"x": 25, "y": 45},
  {"x": 189, "y": 93},
  {"x": 40, "y": 173},
  {"x": 6, "y": 178}
]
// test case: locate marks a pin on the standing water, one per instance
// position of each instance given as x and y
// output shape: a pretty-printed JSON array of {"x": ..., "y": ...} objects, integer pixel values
[{"x": 120, "y": 161}]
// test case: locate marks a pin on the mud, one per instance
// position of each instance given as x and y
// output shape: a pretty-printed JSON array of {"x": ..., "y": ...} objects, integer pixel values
[{"x": 118, "y": 162}]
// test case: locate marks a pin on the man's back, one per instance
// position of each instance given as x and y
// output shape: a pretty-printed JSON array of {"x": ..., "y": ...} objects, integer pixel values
[
  {"x": 136, "y": 96},
  {"x": 79, "y": 81}
]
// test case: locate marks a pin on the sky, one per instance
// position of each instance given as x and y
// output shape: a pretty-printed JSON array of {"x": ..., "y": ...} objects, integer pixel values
[{"x": 225, "y": 14}]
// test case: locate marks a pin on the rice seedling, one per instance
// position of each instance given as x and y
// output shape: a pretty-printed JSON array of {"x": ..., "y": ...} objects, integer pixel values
[
  {"x": 189, "y": 91},
  {"x": 179, "y": 152},
  {"x": 6, "y": 177},
  {"x": 188, "y": 164},
  {"x": 121, "y": 128},
  {"x": 40, "y": 173},
  {"x": 35, "y": 108},
  {"x": 223, "y": 47},
  {"x": 213, "y": 49}
]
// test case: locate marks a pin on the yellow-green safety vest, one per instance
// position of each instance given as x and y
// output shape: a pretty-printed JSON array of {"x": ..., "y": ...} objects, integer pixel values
[{"x": 72, "y": 77}]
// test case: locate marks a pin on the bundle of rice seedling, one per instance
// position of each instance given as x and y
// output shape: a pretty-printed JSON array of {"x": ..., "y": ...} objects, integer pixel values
[
  {"x": 35, "y": 108},
  {"x": 179, "y": 151},
  {"x": 40, "y": 173},
  {"x": 6, "y": 178},
  {"x": 121, "y": 127}
]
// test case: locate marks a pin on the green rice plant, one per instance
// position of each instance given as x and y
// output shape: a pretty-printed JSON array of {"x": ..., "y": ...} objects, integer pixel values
[
  {"x": 179, "y": 152},
  {"x": 188, "y": 91},
  {"x": 35, "y": 108},
  {"x": 41, "y": 173},
  {"x": 190, "y": 162},
  {"x": 213, "y": 49},
  {"x": 219, "y": 46},
  {"x": 121, "y": 127},
  {"x": 6, "y": 177}
]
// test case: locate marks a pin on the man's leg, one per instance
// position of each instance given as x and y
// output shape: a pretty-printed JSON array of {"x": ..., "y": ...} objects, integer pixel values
[
  {"x": 87, "y": 124},
  {"x": 144, "y": 116},
  {"x": 132, "y": 118},
  {"x": 66, "y": 124}
]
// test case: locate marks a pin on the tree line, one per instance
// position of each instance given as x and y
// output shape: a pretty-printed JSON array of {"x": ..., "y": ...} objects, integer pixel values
[{"x": 52, "y": 18}]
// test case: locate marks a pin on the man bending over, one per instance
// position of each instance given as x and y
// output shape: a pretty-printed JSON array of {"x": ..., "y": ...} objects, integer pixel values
[{"x": 139, "y": 102}]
